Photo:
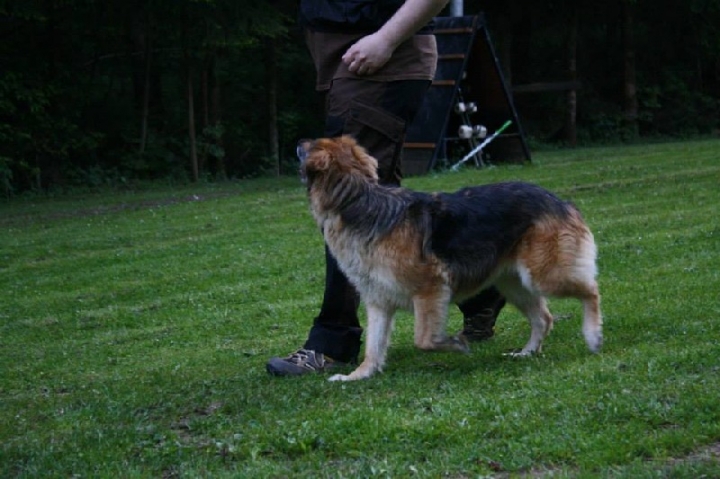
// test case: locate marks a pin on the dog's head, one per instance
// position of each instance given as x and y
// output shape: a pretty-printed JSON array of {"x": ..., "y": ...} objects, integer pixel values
[{"x": 331, "y": 159}]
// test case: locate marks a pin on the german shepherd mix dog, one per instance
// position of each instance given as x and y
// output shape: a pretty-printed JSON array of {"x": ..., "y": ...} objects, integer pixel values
[{"x": 420, "y": 251}]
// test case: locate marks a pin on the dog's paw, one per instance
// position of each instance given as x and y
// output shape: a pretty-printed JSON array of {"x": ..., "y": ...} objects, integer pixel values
[
  {"x": 339, "y": 377},
  {"x": 454, "y": 343},
  {"x": 462, "y": 344},
  {"x": 594, "y": 342},
  {"x": 521, "y": 353}
]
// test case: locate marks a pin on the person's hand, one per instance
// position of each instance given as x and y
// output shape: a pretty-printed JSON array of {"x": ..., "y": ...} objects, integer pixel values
[{"x": 368, "y": 55}]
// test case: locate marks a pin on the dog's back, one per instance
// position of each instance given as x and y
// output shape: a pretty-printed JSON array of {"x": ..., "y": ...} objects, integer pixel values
[{"x": 475, "y": 229}]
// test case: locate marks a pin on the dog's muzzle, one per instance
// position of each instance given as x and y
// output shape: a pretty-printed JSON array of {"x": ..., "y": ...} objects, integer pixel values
[{"x": 303, "y": 146}]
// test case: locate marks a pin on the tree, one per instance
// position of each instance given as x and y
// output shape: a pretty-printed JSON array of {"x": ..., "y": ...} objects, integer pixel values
[
  {"x": 104, "y": 92},
  {"x": 630, "y": 99},
  {"x": 572, "y": 75}
]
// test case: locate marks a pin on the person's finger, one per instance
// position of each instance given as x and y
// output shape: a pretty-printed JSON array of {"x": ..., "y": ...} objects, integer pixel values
[{"x": 349, "y": 57}]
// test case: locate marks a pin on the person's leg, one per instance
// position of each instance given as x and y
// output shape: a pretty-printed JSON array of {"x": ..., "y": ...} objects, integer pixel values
[
  {"x": 480, "y": 313},
  {"x": 376, "y": 115},
  {"x": 336, "y": 330}
]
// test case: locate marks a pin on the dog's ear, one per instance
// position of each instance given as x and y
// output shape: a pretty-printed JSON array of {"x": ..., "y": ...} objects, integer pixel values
[
  {"x": 318, "y": 160},
  {"x": 315, "y": 158},
  {"x": 366, "y": 163}
]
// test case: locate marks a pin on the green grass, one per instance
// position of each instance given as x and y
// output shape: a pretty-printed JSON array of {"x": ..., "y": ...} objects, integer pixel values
[{"x": 135, "y": 327}]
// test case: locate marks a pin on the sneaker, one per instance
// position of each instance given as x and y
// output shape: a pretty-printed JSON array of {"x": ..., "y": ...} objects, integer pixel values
[
  {"x": 301, "y": 362},
  {"x": 479, "y": 327}
]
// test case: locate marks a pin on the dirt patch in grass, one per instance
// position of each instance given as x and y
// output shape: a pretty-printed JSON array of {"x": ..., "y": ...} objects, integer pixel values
[{"x": 708, "y": 453}]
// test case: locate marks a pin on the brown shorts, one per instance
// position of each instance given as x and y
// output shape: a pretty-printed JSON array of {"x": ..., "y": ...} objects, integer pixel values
[
  {"x": 414, "y": 59},
  {"x": 377, "y": 108},
  {"x": 376, "y": 114}
]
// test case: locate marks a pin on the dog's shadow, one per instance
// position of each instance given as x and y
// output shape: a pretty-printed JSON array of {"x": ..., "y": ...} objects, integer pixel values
[{"x": 403, "y": 359}]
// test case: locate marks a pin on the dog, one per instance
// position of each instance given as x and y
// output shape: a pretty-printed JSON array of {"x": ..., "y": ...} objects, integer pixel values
[{"x": 403, "y": 249}]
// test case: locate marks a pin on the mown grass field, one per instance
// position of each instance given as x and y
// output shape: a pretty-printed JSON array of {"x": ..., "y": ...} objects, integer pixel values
[{"x": 135, "y": 327}]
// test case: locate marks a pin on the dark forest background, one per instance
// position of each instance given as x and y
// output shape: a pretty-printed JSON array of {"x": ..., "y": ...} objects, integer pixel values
[{"x": 108, "y": 92}]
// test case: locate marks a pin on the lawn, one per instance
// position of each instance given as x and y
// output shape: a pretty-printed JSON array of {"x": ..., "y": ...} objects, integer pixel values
[{"x": 135, "y": 326}]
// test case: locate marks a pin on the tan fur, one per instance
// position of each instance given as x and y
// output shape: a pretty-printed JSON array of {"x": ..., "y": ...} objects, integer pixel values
[{"x": 553, "y": 258}]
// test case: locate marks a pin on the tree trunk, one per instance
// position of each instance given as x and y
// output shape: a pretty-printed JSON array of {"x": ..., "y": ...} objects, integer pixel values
[
  {"x": 205, "y": 92},
  {"x": 205, "y": 99},
  {"x": 216, "y": 118},
  {"x": 192, "y": 137},
  {"x": 191, "y": 127},
  {"x": 630, "y": 101},
  {"x": 146, "y": 90},
  {"x": 271, "y": 83},
  {"x": 571, "y": 96}
]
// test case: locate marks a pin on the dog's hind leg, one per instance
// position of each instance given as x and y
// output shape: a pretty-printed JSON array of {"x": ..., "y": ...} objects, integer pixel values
[
  {"x": 379, "y": 327},
  {"x": 541, "y": 322},
  {"x": 579, "y": 282},
  {"x": 592, "y": 319},
  {"x": 559, "y": 259},
  {"x": 586, "y": 290},
  {"x": 431, "y": 323},
  {"x": 534, "y": 307},
  {"x": 574, "y": 277}
]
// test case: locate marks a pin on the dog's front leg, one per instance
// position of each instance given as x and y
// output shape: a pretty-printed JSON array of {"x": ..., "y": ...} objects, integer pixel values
[
  {"x": 431, "y": 321},
  {"x": 379, "y": 326}
]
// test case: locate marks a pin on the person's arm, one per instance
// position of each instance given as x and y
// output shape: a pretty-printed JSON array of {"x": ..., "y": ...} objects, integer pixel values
[{"x": 371, "y": 52}]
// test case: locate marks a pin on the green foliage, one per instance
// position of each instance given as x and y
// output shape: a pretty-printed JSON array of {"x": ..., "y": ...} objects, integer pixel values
[
  {"x": 671, "y": 108},
  {"x": 135, "y": 326},
  {"x": 72, "y": 90},
  {"x": 6, "y": 175},
  {"x": 31, "y": 134},
  {"x": 75, "y": 74},
  {"x": 676, "y": 48}
]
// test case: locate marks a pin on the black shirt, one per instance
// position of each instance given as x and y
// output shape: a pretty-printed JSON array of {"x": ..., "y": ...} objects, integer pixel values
[{"x": 349, "y": 16}]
